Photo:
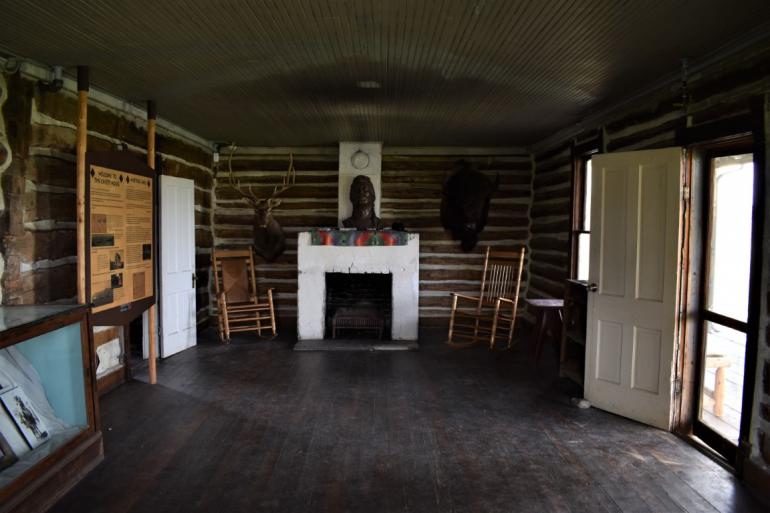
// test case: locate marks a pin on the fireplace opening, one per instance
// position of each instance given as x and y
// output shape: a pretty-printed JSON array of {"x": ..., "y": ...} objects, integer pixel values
[{"x": 358, "y": 305}]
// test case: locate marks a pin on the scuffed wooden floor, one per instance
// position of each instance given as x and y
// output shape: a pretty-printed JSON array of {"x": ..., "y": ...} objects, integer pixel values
[{"x": 256, "y": 427}]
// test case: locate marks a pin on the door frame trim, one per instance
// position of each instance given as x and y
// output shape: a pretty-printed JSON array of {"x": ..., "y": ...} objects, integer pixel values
[{"x": 742, "y": 133}]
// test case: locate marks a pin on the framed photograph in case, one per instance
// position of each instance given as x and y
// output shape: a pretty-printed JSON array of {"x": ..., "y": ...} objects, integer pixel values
[{"x": 23, "y": 413}]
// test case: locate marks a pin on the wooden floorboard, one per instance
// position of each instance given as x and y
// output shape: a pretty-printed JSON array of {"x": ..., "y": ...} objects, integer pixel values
[{"x": 253, "y": 426}]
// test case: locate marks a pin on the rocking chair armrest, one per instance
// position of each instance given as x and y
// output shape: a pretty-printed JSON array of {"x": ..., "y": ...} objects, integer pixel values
[
  {"x": 463, "y": 296},
  {"x": 509, "y": 303}
]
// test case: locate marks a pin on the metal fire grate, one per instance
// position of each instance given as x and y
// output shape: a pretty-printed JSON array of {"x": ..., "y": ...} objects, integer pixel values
[{"x": 358, "y": 318}]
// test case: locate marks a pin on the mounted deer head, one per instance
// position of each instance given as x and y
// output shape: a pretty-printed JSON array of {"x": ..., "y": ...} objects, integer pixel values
[{"x": 269, "y": 239}]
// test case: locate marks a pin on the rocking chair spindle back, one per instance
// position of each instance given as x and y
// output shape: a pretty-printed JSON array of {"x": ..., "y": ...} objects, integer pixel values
[{"x": 478, "y": 318}]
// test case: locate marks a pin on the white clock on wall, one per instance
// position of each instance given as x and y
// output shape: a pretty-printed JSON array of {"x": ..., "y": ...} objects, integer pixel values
[{"x": 360, "y": 159}]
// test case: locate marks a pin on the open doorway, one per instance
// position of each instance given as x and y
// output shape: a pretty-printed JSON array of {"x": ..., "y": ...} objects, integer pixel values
[
  {"x": 695, "y": 249},
  {"x": 722, "y": 328}
]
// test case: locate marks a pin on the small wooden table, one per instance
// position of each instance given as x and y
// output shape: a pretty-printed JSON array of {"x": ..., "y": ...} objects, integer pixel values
[{"x": 547, "y": 312}]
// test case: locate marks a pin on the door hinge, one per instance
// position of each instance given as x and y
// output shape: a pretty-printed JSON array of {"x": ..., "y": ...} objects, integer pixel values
[
  {"x": 678, "y": 387},
  {"x": 686, "y": 193}
]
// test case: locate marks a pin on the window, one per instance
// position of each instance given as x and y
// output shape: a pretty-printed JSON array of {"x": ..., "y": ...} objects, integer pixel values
[{"x": 581, "y": 220}]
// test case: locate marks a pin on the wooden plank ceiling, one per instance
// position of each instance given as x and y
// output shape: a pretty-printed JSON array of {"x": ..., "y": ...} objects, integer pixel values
[{"x": 300, "y": 72}]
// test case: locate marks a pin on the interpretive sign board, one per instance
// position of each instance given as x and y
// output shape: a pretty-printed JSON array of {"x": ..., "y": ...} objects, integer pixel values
[{"x": 120, "y": 230}]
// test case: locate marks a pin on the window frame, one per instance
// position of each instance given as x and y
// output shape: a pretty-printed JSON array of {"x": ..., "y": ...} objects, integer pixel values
[{"x": 580, "y": 157}]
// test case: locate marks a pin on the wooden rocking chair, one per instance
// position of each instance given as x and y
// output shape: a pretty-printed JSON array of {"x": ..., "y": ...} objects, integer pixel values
[
  {"x": 237, "y": 295},
  {"x": 478, "y": 319}
]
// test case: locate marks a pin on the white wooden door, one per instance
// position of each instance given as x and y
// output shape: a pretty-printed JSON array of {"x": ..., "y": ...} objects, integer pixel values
[
  {"x": 177, "y": 286},
  {"x": 634, "y": 262}
]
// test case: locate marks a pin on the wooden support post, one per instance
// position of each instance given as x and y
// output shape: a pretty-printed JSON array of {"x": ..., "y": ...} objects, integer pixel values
[
  {"x": 151, "y": 329},
  {"x": 80, "y": 177}
]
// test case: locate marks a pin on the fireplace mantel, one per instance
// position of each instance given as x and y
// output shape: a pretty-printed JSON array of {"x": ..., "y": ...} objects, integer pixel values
[{"x": 314, "y": 261}]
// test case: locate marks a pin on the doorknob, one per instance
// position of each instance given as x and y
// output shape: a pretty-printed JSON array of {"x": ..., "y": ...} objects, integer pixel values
[{"x": 592, "y": 287}]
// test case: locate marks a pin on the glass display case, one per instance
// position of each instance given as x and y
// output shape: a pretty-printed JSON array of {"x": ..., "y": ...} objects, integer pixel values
[{"x": 49, "y": 429}]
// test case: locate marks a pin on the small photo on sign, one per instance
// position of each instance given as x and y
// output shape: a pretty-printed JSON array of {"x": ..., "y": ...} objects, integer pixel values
[
  {"x": 139, "y": 287},
  {"x": 116, "y": 280},
  {"x": 146, "y": 251},
  {"x": 116, "y": 262},
  {"x": 98, "y": 223},
  {"x": 23, "y": 413},
  {"x": 102, "y": 240}
]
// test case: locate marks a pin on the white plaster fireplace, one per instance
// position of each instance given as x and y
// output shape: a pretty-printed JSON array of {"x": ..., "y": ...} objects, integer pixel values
[{"x": 314, "y": 261}]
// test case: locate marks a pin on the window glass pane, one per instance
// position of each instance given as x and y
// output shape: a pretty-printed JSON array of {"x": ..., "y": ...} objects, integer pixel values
[
  {"x": 730, "y": 238},
  {"x": 584, "y": 244},
  {"x": 722, "y": 391},
  {"x": 587, "y": 198}
]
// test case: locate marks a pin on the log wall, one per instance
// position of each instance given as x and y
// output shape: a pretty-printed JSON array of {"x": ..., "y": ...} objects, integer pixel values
[
  {"x": 37, "y": 194},
  {"x": 411, "y": 194},
  {"x": 38, "y": 187}
]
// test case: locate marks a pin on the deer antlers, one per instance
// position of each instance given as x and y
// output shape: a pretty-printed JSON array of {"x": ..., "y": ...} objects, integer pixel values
[
  {"x": 286, "y": 182},
  {"x": 247, "y": 192}
]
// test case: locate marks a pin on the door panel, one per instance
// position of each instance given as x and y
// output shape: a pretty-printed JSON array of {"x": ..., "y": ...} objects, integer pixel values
[
  {"x": 610, "y": 351},
  {"x": 646, "y": 360},
  {"x": 613, "y": 228},
  {"x": 177, "y": 265},
  {"x": 634, "y": 262},
  {"x": 651, "y": 223}
]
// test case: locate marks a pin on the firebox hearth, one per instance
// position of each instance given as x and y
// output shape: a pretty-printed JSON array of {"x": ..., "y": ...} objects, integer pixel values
[
  {"x": 358, "y": 305},
  {"x": 395, "y": 259}
]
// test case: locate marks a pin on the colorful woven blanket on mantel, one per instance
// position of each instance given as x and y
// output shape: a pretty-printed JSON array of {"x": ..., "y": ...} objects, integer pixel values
[{"x": 332, "y": 237}]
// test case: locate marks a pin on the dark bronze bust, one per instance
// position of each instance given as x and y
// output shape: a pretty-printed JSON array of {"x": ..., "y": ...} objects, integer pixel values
[{"x": 362, "y": 197}]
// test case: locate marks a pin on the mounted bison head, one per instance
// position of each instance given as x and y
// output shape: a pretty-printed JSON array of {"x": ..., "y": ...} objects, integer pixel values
[{"x": 465, "y": 203}]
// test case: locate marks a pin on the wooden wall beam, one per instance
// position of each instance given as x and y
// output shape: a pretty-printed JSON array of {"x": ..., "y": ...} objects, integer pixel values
[
  {"x": 82, "y": 137},
  {"x": 152, "y": 116}
]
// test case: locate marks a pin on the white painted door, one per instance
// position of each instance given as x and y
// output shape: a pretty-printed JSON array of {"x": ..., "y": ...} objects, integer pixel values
[
  {"x": 177, "y": 287},
  {"x": 634, "y": 262}
]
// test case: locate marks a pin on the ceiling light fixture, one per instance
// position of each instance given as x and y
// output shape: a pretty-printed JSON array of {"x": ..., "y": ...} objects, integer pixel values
[{"x": 369, "y": 84}]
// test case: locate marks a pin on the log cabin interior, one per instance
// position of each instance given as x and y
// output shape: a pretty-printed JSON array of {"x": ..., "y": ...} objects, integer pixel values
[{"x": 379, "y": 256}]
